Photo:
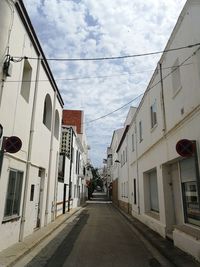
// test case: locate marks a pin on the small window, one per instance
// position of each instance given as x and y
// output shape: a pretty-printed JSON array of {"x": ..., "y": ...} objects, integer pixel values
[
  {"x": 32, "y": 192},
  {"x": 134, "y": 192},
  {"x": 198, "y": 61},
  {"x": 57, "y": 125},
  {"x": 47, "y": 112},
  {"x": 153, "y": 115},
  {"x": 61, "y": 168},
  {"x": 126, "y": 155},
  {"x": 13, "y": 198},
  {"x": 140, "y": 131},
  {"x": 26, "y": 80},
  {"x": 176, "y": 77},
  {"x": 190, "y": 191},
  {"x": 123, "y": 157},
  {"x": 133, "y": 142},
  {"x": 153, "y": 191}
]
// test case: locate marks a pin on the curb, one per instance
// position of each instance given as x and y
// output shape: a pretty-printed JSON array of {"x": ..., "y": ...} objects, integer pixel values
[
  {"x": 176, "y": 256},
  {"x": 7, "y": 257}
]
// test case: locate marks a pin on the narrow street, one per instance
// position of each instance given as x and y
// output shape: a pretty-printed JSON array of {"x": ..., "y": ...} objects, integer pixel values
[{"x": 99, "y": 236}]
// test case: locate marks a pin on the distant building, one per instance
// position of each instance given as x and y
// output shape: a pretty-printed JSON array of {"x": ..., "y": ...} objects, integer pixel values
[
  {"x": 73, "y": 162},
  {"x": 31, "y": 110}
]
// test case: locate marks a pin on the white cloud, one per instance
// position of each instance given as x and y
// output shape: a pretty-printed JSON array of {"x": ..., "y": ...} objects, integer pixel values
[{"x": 88, "y": 28}]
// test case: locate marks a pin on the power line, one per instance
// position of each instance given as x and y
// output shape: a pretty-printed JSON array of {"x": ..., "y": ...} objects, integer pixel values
[
  {"x": 114, "y": 58},
  {"x": 110, "y": 113},
  {"x": 91, "y": 77},
  {"x": 148, "y": 89}
]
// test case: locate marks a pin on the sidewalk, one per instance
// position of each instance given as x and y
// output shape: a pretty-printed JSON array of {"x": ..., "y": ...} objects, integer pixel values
[
  {"x": 11, "y": 255},
  {"x": 176, "y": 256}
]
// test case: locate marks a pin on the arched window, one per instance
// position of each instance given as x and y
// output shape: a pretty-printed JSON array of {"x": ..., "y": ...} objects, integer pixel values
[
  {"x": 47, "y": 114},
  {"x": 57, "y": 125}
]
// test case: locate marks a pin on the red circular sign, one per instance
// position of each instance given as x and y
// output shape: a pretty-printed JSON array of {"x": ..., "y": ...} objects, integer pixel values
[
  {"x": 12, "y": 144},
  {"x": 185, "y": 147}
]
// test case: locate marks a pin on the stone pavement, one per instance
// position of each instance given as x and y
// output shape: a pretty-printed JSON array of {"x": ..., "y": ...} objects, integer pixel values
[{"x": 11, "y": 255}]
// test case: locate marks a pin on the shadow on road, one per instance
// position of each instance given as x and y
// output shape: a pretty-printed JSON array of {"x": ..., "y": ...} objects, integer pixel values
[{"x": 57, "y": 251}]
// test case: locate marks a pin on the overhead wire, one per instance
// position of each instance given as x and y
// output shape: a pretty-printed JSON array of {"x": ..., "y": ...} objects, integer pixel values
[
  {"x": 115, "y": 57},
  {"x": 147, "y": 90},
  {"x": 89, "y": 77}
]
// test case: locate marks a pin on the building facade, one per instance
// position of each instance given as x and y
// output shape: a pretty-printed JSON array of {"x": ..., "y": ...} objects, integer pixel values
[
  {"x": 163, "y": 141},
  {"x": 73, "y": 171},
  {"x": 31, "y": 112}
]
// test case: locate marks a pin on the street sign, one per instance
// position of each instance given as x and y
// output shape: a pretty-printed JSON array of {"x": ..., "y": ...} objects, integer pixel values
[
  {"x": 185, "y": 148},
  {"x": 12, "y": 144}
]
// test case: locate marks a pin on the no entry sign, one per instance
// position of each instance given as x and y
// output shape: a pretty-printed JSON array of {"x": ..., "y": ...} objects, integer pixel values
[
  {"x": 185, "y": 147},
  {"x": 12, "y": 144}
]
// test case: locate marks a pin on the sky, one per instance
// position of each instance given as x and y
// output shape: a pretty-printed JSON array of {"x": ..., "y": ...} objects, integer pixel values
[{"x": 101, "y": 28}]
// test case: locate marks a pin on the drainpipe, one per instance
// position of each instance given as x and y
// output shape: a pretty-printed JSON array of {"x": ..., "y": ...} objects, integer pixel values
[
  {"x": 137, "y": 169},
  {"x": 30, "y": 144},
  {"x": 162, "y": 99},
  {"x": 70, "y": 171},
  {"x": 50, "y": 160}
]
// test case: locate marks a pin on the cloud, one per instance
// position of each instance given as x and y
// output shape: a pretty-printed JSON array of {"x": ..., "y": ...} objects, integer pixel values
[{"x": 87, "y": 29}]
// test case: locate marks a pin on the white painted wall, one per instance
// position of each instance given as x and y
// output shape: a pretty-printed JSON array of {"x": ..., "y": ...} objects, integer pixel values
[
  {"x": 157, "y": 149},
  {"x": 15, "y": 116}
]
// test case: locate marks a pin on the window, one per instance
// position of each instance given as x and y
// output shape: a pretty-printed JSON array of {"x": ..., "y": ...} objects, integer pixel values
[
  {"x": 126, "y": 155},
  {"x": 153, "y": 115},
  {"x": 198, "y": 61},
  {"x": 132, "y": 139},
  {"x": 32, "y": 192},
  {"x": 153, "y": 191},
  {"x": 140, "y": 131},
  {"x": 13, "y": 198},
  {"x": 26, "y": 80},
  {"x": 134, "y": 191},
  {"x": 57, "y": 125},
  {"x": 77, "y": 158},
  {"x": 47, "y": 113},
  {"x": 190, "y": 191},
  {"x": 176, "y": 77},
  {"x": 61, "y": 167},
  {"x": 123, "y": 157}
]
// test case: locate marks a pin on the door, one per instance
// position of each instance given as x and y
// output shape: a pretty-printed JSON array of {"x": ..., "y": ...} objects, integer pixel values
[{"x": 37, "y": 202}]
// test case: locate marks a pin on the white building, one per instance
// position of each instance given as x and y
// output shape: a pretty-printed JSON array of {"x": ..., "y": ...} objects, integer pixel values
[
  {"x": 164, "y": 187},
  {"x": 31, "y": 110},
  {"x": 73, "y": 171}
]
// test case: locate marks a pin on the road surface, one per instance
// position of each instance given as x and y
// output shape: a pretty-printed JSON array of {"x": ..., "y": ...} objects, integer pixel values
[{"x": 98, "y": 237}]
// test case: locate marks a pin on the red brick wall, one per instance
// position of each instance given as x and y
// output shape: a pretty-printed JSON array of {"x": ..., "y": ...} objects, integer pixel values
[{"x": 73, "y": 118}]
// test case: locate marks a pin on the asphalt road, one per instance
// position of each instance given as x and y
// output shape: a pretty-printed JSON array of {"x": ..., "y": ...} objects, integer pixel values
[{"x": 98, "y": 237}]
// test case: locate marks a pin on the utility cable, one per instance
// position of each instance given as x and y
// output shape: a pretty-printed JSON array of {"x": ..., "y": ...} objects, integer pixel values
[
  {"x": 90, "y": 77},
  {"x": 147, "y": 90},
  {"x": 114, "y": 58}
]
